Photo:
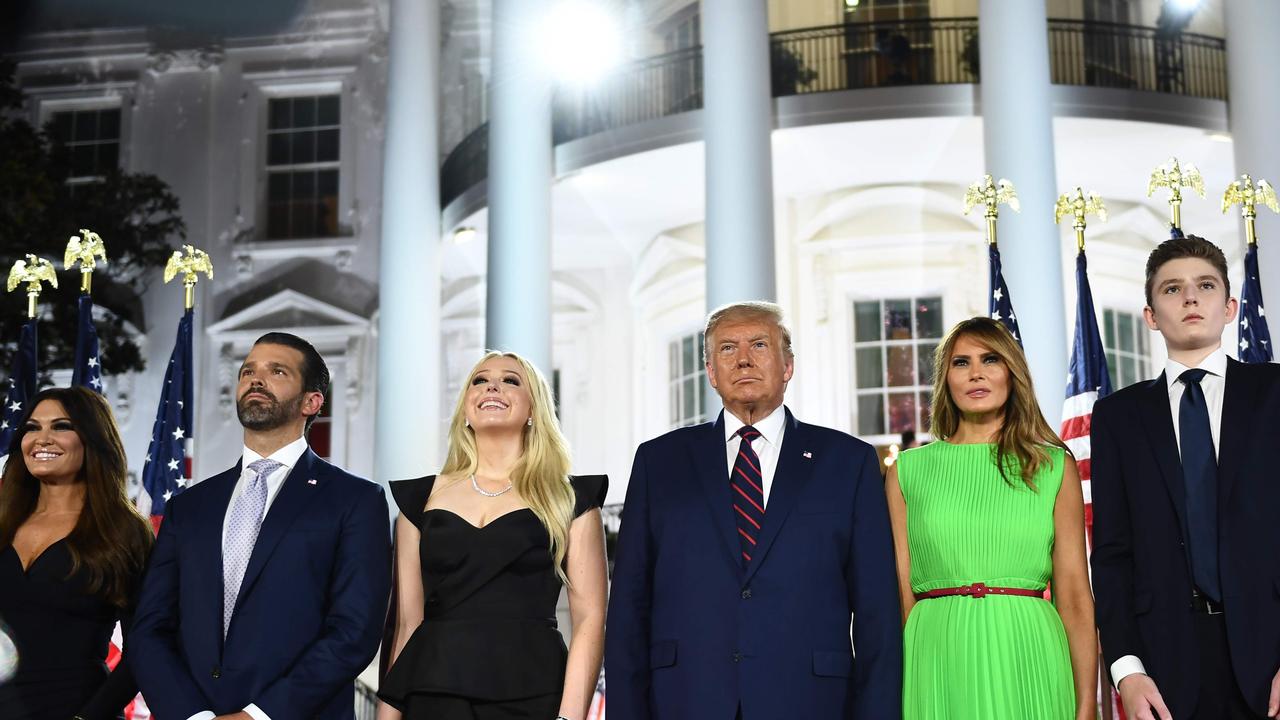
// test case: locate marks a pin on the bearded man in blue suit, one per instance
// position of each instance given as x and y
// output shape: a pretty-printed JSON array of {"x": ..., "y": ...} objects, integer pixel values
[
  {"x": 268, "y": 586},
  {"x": 748, "y": 547}
]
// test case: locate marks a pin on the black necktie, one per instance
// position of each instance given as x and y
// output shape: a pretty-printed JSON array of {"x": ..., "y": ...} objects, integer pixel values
[
  {"x": 747, "y": 487},
  {"x": 1200, "y": 474}
]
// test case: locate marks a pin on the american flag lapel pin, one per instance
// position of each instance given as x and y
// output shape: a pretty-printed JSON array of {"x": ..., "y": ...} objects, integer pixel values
[
  {"x": 807, "y": 455},
  {"x": 312, "y": 481}
]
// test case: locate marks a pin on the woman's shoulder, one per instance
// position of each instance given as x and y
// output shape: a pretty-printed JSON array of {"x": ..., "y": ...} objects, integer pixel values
[{"x": 589, "y": 492}]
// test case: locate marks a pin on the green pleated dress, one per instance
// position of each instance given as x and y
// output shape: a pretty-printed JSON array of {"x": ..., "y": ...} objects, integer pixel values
[{"x": 995, "y": 657}]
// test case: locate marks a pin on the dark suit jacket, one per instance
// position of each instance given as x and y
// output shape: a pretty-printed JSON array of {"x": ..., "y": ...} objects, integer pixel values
[
  {"x": 311, "y": 605},
  {"x": 692, "y": 634},
  {"x": 1141, "y": 570}
]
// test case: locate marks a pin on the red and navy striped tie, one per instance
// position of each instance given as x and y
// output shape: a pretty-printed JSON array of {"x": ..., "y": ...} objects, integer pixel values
[{"x": 747, "y": 485}]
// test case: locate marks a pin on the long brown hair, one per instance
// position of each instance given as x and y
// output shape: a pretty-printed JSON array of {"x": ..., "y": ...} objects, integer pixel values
[
  {"x": 1024, "y": 434},
  {"x": 541, "y": 475},
  {"x": 110, "y": 539}
]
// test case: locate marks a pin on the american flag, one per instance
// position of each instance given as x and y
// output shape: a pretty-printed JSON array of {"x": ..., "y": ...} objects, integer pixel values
[
  {"x": 1001, "y": 305},
  {"x": 87, "y": 371},
  {"x": 23, "y": 383},
  {"x": 1255, "y": 338},
  {"x": 595, "y": 711},
  {"x": 164, "y": 472},
  {"x": 1088, "y": 380}
]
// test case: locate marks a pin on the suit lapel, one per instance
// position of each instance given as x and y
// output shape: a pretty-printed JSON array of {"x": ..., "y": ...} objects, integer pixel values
[
  {"x": 299, "y": 489},
  {"x": 1233, "y": 433},
  {"x": 707, "y": 453},
  {"x": 1157, "y": 421},
  {"x": 789, "y": 479}
]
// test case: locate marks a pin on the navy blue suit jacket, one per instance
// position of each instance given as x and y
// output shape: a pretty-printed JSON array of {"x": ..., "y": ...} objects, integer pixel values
[
  {"x": 311, "y": 606},
  {"x": 694, "y": 634},
  {"x": 1141, "y": 570}
]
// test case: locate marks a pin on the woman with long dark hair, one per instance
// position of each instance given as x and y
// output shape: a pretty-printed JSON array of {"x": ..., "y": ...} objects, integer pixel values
[
  {"x": 983, "y": 519},
  {"x": 72, "y": 552}
]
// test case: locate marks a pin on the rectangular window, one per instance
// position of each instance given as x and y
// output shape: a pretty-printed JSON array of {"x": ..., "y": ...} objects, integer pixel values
[
  {"x": 1125, "y": 338},
  {"x": 302, "y": 166},
  {"x": 687, "y": 382},
  {"x": 91, "y": 139},
  {"x": 893, "y": 345}
]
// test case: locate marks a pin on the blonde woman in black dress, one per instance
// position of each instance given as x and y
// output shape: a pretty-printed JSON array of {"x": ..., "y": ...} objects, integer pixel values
[{"x": 482, "y": 551}]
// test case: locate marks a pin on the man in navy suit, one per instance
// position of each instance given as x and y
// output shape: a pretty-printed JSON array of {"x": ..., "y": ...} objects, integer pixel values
[
  {"x": 1186, "y": 556},
  {"x": 747, "y": 547},
  {"x": 267, "y": 589}
]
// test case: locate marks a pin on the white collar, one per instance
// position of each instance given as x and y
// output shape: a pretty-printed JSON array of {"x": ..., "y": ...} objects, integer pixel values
[
  {"x": 770, "y": 427},
  {"x": 287, "y": 456},
  {"x": 1215, "y": 363}
]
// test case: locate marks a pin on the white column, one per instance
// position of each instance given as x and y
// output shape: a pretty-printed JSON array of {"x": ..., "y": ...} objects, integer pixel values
[
  {"x": 518, "y": 297},
  {"x": 1254, "y": 111},
  {"x": 737, "y": 123},
  {"x": 1017, "y": 131},
  {"x": 409, "y": 267}
]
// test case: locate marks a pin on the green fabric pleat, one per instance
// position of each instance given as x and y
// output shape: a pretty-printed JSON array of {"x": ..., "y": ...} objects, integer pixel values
[{"x": 995, "y": 657}]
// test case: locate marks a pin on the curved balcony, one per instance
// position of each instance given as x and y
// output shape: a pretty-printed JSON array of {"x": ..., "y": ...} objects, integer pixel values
[{"x": 870, "y": 55}]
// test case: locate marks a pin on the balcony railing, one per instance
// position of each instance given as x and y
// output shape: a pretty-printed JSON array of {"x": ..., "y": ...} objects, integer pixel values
[{"x": 869, "y": 55}]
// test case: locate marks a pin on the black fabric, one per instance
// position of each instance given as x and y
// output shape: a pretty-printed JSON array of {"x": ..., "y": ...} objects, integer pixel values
[
  {"x": 490, "y": 631},
  {"x": 61, "y": 634},
  {"x": 451, "y": 707},
  {"x": 1220, "y": 697}
]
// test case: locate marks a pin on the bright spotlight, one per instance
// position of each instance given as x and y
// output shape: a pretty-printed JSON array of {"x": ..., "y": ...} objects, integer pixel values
[
  {"x": 581, "y": 42},
  {"x": 1185, "y": 5}
]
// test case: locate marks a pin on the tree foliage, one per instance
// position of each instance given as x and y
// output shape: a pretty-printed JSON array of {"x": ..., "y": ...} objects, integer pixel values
[{"x": 135, "y": 213}]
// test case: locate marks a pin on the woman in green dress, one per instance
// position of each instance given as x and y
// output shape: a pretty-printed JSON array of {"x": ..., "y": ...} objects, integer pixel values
[{"x": 983, "y": 518}]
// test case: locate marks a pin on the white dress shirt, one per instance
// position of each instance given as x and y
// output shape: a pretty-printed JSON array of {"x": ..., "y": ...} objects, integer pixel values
[
  {"x": 1214, "y": 385},
  {"x": 766, "y": 446},
  {"x": 287, "y": 456}
]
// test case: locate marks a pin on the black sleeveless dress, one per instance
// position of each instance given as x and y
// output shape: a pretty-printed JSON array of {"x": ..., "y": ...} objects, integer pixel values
[
  {"x": 61, "y": 634},
  {"x": 489, "y": 643}
]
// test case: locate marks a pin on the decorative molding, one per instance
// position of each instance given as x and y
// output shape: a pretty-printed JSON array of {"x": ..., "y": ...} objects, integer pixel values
[{"x": 210, "y": 57}]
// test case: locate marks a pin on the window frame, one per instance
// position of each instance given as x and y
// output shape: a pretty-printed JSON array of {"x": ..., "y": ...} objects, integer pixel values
[
  {"x": 922, "y": 392},
  {"x": 678, "y": 378},
  {"x": 1140, "y": 353}
]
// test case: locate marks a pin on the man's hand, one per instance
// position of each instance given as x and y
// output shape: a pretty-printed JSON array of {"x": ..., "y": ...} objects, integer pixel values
[
  {"x": 1142, "y": 700},
  {"x": 242, "y": 715},
  {"x": 1273, "y": 705}
]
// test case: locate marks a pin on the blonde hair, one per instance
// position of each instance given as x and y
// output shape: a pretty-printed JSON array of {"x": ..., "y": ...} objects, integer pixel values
[
  {"x": 1024, "y": 434},
  {"x": 541, "y": 475},
  {"x": 751, "y": 310}
]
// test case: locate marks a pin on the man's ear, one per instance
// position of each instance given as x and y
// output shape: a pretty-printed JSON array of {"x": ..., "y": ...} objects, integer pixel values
[
  {"x": 1150, "y": 316},
  {"x": 1233, "y": 307},
  {"x": 312, "y": 403},
  {"x": 711, "y": 373}
]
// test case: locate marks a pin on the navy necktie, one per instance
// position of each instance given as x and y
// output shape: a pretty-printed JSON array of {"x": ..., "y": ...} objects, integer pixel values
[
  {"x": 1200, "y": 474},
  {"x": 747, "y": 486}
]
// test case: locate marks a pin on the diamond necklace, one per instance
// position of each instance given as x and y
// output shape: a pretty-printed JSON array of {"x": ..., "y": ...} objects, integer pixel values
[{"x": 476, "y": 486}]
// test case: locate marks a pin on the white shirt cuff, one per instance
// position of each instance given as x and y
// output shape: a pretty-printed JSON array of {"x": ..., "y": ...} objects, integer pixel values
[
  {"x": 1124, "y": 667},
  {"x": 256, "y": 712},
  {"x": 206, "y": 715}
]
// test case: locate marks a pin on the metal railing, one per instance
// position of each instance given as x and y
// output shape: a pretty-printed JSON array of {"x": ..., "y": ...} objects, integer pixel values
[
  {"x": 855, "y": 56},
  {"x": 366, "y": 702}
]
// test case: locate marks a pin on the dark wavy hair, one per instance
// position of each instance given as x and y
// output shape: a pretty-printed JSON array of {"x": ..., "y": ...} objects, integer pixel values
[{"x": 111, "y": 539}]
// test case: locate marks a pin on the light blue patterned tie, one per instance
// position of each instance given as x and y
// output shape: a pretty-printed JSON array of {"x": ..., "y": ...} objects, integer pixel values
[{"x": 242, "y": 533}]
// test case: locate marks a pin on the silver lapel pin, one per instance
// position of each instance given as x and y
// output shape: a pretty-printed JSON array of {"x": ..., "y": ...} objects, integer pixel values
[
  {"x": 312, "y": 481},
  {"x": 808, "y": 455}
]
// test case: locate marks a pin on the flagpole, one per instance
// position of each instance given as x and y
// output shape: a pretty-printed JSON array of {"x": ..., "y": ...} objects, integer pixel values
[
  {"x": 990, "y": 194},
  {"x": 1247, "y": 195}
]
